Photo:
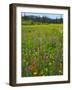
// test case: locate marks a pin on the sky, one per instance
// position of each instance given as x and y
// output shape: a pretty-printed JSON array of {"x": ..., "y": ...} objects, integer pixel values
[{"x": 50, "y": 15}]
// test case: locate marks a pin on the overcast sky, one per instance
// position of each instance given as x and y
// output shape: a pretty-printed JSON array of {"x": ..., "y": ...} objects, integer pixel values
[{"x": 50, "y": 15}]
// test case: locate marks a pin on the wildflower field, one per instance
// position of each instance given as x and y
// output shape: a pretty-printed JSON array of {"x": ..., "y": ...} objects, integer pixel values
[
  {"x": 41, "y": 46},
  {"x": 42, "y": 50}
]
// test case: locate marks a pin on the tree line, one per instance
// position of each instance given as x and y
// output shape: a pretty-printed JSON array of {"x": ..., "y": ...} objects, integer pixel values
[{"x": 42, "y": 20}]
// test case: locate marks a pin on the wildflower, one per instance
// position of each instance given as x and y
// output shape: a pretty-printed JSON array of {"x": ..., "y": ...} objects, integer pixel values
[
  {"x": 34, "y": 59},
  {"x": 35, "y": 73},
  {"x": 33, "y": 67},
  {"x": 45, "y": 58},
  {"x": 27, "y": 70}
]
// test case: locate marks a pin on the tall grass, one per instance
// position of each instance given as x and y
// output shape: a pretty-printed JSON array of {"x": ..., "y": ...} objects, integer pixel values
[{"x": 42, "y": 50}]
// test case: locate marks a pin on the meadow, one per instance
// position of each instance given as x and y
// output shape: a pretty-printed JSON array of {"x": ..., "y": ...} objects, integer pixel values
[{"x": 42, "y": 50}]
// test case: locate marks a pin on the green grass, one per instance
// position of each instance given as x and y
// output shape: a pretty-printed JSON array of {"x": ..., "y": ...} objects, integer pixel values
[{"x": 42, "y": 50}]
